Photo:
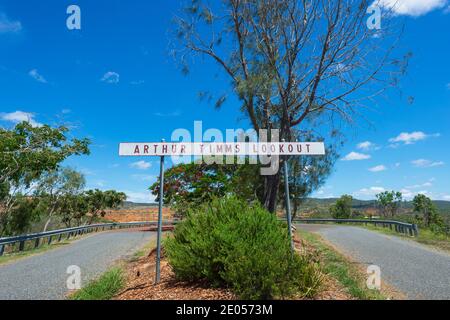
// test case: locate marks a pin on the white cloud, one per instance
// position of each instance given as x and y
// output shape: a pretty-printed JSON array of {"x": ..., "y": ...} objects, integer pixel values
[
  {"x": 408, "y": 194},
  {"x": 368, "y": 192},
  {"x": 413, "y": 8},
  {"x": 8, "y": 26},
  {"x": 143, "y": 177},
  {"x": 418, "y": 186},
  {"x": 423, "y": 163},
  {"x": 352, "y": 156},
  {"x": 111, "y": 77},
  {"x": 139, "y": 197},
  {"x": 410, "y": 138},
  {"x": 20, "y": 116},
  {"x": 100, "y": 183},
  {"x": 141, "y": 165},
  {"x": 378, "y": 168},
  {"x": 366, "y": 145},
  {"x": 36, "y": 76}
]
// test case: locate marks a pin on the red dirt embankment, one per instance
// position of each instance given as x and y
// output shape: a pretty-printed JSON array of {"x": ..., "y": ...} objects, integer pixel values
[{"x": 138, "y": 214}]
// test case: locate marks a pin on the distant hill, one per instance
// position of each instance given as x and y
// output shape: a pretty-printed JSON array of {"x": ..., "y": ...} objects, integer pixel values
[{"x": 443, "y": 206}]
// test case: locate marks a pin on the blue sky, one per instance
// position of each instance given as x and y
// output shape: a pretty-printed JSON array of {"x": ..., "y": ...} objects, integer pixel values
[{"x": 114, "y": 81}]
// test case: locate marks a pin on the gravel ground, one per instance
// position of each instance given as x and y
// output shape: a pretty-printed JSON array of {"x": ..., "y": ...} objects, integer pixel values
[
  {"x": 44, "y": 276},
  {"x": 418, "y": 271}
]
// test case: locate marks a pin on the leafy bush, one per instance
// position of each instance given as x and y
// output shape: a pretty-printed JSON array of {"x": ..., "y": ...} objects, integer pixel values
[
  {"x": 240, "y": 246},
  {"x": 342, "y": 209}
]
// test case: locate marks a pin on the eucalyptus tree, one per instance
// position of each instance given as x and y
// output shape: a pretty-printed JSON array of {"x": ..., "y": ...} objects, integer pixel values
[
  {"x": 99, "y": 201},
  {"x": 293, "y": 64},
  {"x": 54, "y": 187},
  {"x": 26, "y": 153},
  {"x": 389, "y": 202}
]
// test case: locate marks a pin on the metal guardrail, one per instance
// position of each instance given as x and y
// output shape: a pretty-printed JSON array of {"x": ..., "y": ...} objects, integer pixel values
[
  {"x": 400, "y": 227},
  {"x": 69, "y": 233}
]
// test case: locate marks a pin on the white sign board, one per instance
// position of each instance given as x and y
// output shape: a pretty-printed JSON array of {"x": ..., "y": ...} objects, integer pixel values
[{"x": 220, "y": 148}]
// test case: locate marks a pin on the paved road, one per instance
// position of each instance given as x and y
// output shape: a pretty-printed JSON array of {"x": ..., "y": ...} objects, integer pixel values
[
  {"x": 44, "y": 276},
  {"x": 416, "y": 270}
]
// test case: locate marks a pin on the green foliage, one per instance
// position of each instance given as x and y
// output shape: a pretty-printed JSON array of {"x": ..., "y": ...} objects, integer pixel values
[
  {"x": 98, "y": 201},
  {"x": 389, "y": 202},
  {"x": 54, "y": 188},
  {"x": 24, "y": 212},
  {"x": 342, "y": 209},
  {"x": 188, "y": 186},
  {"x": 430, "y": 217},
  {"x": 233, "y": 244},
  {"x": 104, "y": 288},
  {"x": 26, "y": 154}
]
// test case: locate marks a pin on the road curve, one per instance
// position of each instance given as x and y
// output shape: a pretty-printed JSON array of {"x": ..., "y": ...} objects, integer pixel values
[
  {"x": 44, "y": 276},
  {"x": 416, "y": 270}
]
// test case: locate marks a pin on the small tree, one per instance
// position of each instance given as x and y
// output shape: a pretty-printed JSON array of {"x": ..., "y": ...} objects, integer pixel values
[
  {"x": 292, "y": 65},
  {"x": 98, "y": 201},
  {"x": 342, "y": 209},
  {"x": 190, "y": 185},
  {"x": 427, "y": 208},
  {"x": 26, "y": 153},
  {"x": 54, "y": 187},
  {"x": 389, "y": 202},
  {"x": 74, "y": 208}
]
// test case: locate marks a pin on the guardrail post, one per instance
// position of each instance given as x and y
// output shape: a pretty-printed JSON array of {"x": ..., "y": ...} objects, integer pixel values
[
  {"x": 36, "y": 243},
  {"x": 21, "y": 245},
  {"x": 60, "y": 237},
  {"x": 49, "y": 240},
  {"x": 416, "y": 230},
  {"x": 2, "y": 249}
]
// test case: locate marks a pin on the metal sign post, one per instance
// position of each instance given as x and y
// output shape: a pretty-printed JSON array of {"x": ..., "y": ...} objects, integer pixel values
[
  {"x": 288, "y": 203},
  {"x": 158, "y": 246}
]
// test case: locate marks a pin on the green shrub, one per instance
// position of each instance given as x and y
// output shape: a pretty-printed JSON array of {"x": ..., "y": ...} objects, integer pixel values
[
  {"x": 240, "y": 246},
  {"x": 104, "y": 288}
]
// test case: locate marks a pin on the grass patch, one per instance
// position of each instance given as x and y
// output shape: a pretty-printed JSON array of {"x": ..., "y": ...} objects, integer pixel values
[
  {"x": 426, "y": 237},
  {"x": 340, "y": 268},
  {"x": 144, "y": 250},
  {"x": 10, "y": 257},
  {"x": 104, "y": 288}
]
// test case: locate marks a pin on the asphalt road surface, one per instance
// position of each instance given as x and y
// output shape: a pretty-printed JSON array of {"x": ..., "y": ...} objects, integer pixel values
[
  {"x": 44, "y": 276},
  {"x": 416, "y": 270}
]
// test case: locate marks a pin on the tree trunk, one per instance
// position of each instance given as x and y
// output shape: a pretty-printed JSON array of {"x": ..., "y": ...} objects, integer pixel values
[
  {"x": 47, "y": 223},
  {"x": 271, "y": 185}
]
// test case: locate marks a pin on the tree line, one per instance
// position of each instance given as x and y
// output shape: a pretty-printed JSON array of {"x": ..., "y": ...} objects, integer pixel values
[
  {"x": 389, "y": 203},
  {"x": 34, "y": 185}
]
